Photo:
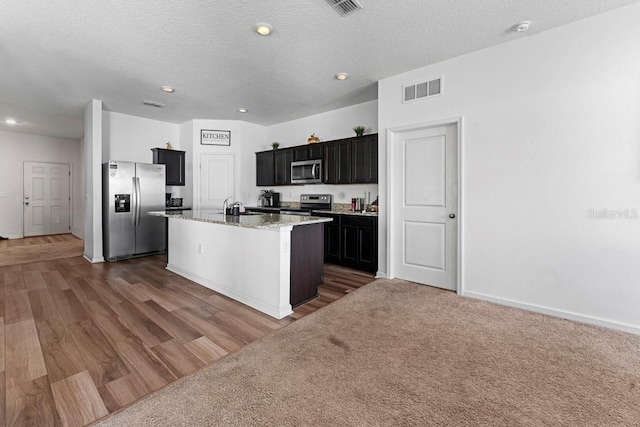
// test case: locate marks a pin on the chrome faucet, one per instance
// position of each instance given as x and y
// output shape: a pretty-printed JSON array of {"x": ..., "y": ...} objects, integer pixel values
[{"x": 225, "y": 205}]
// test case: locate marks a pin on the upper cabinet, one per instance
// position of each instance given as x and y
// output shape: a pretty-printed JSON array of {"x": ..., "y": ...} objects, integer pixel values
[
  {"x": 264, "y": 168},
  {"x": 337, "y": 162},
  {"x": 345, "y": 161},
  {"x": 308, "y": 152},
  {"x": 364, "y": 159},
  {"x": 282, "y": 166},
  {"x": 174, "y": 162}
]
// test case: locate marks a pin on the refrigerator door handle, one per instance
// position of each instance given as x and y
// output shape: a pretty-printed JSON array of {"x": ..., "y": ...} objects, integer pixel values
[
  {"x": 134, "y": 201},
  {"x": 138, "y": 202}
]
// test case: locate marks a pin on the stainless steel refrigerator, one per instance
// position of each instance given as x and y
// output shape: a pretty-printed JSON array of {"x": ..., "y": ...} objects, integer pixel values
[{"x": 129, "y": 191}]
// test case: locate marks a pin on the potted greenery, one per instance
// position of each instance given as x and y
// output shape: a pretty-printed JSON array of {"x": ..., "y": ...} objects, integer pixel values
[
  {"x": 359, "y": 130},
  {"x": 275, "y": 145}
]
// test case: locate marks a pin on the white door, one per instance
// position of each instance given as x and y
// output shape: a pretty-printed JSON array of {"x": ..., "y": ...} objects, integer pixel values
[
  {"x": 47, "y": 203},
  {"x": 216, "y": 180},
  {"x": 425, "y": 203}
]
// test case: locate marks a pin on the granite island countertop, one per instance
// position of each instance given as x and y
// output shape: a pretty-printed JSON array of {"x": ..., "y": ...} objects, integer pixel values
[
  {"x": 253, "y": 220},
  {"x": 313, "y": 212}
]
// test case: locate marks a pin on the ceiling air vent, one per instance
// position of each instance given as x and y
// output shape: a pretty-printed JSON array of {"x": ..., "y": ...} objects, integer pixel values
[
  {"x": 422, "y": 90},
  {"x": 153, "y": 103},
  {"x": 344, "y": 7}
]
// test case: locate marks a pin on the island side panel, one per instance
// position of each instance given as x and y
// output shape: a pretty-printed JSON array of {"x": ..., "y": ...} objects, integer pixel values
[
  {"x": 307, "y": 261},
  {"x": 247, "y": 264}
]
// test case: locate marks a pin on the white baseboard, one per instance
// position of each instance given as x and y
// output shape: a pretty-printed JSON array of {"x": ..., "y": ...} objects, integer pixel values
[
  {"x": 611, "y": 324},
  {"x": 381, "y": 275},
  {"x": 13, "y": 236},
  {"x": 93, "y": 260},
  {"x": 271, "y": 310}
]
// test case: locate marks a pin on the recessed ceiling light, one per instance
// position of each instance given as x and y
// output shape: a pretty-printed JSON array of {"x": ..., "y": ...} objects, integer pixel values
[
  {"x": 11, "y": 121},
  {"x": 263, "y": 28},
  {"x": 242, "y": 110},
  {"x": 167, "y": 89},
  {"x": 522, "y": 26},
  {"x": 342, "y": 76}
]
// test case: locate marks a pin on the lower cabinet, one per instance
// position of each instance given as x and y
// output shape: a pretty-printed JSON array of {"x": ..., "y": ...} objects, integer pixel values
[
  {"x": 351, "y": 241},
  {"x": 306, "y": 263}
]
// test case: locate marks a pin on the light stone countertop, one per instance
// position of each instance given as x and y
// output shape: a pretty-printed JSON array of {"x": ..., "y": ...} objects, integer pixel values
[
  {"x": 333, "y": 212},
  {"x": 253, "y": 220}
]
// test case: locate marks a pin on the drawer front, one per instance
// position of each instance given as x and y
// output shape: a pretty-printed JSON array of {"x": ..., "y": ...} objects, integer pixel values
[{"x": 359, "y": 221}]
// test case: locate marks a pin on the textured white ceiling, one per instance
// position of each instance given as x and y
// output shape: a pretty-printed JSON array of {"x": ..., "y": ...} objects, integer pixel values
[{"x": 56, "y": 55}]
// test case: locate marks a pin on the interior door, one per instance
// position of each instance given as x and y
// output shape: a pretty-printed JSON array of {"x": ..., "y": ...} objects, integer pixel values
[
  {"x": 425, "y": 206},
  {"x": 47, "y": 203},
  {"x": 216, "y": 180}
]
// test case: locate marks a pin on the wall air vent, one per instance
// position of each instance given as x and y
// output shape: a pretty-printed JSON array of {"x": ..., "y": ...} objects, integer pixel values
[
  {"x": 153, "y": 103},
  {"x": 422, "y": 90},
  {"x": 344, "y": 7}
]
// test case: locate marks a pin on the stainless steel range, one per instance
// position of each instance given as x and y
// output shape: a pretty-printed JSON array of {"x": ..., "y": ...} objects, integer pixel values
[{"x": 308, "y": 203}]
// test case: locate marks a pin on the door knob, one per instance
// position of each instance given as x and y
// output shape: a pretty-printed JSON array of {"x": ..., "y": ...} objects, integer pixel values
[
  {"x": 26, "y": 203},
  {"x": 452, "y": 216}
]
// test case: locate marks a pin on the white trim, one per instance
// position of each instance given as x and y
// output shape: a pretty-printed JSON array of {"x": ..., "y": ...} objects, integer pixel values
[
  {"x": 271, "y": 310},
  {"x": 593, "y": 320},
  {"x": 391, "y": 139},
  {"x": 91, "y": 260}
]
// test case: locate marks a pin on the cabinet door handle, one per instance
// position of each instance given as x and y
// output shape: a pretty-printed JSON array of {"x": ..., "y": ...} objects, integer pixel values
[{"x": 452, "y": 216}]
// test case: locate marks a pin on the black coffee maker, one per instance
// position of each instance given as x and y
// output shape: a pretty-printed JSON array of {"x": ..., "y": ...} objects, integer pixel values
[{"x": 275, "y": 200}]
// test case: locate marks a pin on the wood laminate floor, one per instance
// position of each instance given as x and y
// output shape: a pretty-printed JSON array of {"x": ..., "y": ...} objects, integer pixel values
[{"x": 79, "y": 340}]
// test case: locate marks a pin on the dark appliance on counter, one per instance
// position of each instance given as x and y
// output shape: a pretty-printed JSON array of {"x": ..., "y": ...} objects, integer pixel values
[
  {"x": 306, "y": 172},
  {"x": 308, "y": 203},
  {"x": 275, "y": 200},
  {"x": 269, "y": 199}
]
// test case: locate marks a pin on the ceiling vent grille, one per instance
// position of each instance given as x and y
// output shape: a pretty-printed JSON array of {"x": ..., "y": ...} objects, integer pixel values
[
  {"x": 422, "y": 90},
  {"x": 153, "y": 103},
  {"x": 344, "y": 7}
]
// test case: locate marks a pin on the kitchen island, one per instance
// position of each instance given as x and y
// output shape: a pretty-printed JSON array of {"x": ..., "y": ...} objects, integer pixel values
[{"x": 269, "y": 262}]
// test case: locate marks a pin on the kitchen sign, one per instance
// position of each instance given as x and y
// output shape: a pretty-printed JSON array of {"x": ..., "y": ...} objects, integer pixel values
[{"x": 215, "y": 137}]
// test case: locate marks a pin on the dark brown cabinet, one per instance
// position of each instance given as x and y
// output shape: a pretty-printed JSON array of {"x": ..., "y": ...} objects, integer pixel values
[
  {"x": 345, "y": 161},
  {"x": 282, "y": 166},
  {"x": 265, "y": 168},
  {"x": 351, "y": 241},
  {"x": 174, "y": 163},
  {"x": 332, "y": 241},
  {"x": 364, "y": 164},
  {"x": 306, "y": 263},
  {"x": 308, "y": 152},
  {"x": 337, "y": 162},
  {"x": 359, "y": 242}
]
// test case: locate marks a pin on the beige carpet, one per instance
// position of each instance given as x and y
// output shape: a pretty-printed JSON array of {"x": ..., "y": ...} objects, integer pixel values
[{"x": 397, "y": 353}]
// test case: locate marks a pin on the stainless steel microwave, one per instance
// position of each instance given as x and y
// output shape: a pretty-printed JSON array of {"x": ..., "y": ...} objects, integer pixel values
[{"x": 306, "y": 172}]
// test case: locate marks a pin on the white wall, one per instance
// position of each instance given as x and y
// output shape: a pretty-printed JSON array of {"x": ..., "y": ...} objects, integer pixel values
[
  {"x": 328, "y": 126},
  {"x": 551, "y": 130},
  {"x": 235, "y": 149},
  {"x": 18, "y": 148},
  {"x": 252, "y": 136},
  {"x": 131, "y": 138}
]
